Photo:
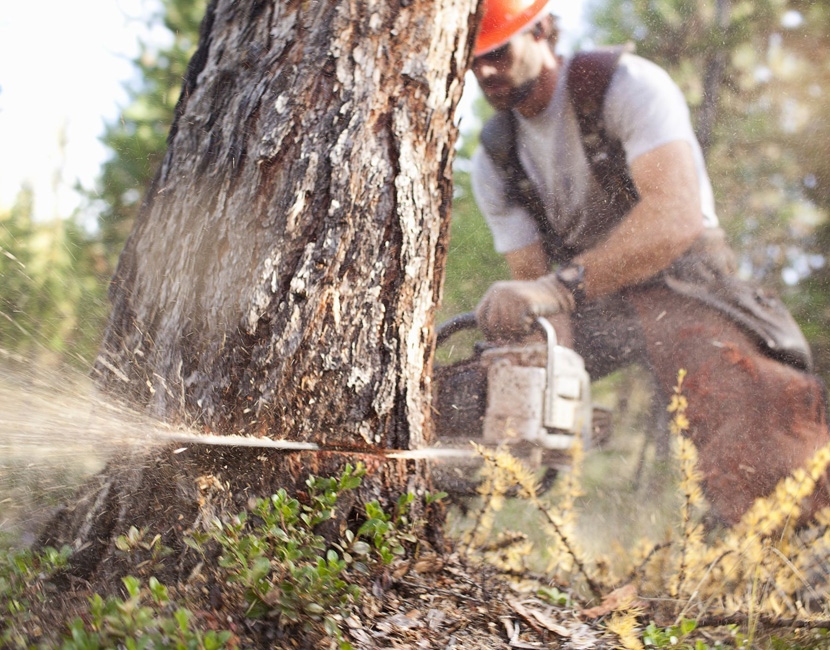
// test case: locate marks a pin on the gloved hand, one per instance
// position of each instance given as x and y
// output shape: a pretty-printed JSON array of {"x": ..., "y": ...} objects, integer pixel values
[{"x": 507, "y": 309}]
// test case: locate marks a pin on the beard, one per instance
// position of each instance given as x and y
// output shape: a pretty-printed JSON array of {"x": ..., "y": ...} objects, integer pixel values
[{"x": 510, "y": 97}]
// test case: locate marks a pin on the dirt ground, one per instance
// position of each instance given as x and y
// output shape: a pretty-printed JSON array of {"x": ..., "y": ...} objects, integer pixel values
[
  {"x": 438, "y": 602},
  {"x": 446, "y": 603},
  {"x": 432, "y": 597}
]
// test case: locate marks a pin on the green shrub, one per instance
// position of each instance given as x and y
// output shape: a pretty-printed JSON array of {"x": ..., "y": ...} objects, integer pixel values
[
  {"x": 288, "y": 569},
  {"x": 23, "y": 585},
  {"x": 131, "y": 624}
]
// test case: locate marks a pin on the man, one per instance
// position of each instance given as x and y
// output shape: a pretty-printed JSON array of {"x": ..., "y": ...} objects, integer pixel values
[{"x": 643, "y": 273}]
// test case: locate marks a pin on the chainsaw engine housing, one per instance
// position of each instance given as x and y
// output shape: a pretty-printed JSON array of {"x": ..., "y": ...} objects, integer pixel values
[{"x": 535, "y": 398}]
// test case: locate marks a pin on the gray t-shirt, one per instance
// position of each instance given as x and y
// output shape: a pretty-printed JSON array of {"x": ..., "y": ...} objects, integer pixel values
[{"x": 643, "y": 108}]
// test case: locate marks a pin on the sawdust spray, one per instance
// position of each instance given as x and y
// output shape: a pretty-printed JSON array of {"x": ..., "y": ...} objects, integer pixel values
[{"x": 56, "y": 430}]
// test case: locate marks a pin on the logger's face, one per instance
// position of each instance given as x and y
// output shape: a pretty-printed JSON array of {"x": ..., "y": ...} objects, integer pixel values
[{"x": 507, "y": 75}]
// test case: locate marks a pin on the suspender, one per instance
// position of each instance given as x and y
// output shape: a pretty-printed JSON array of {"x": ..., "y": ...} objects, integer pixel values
[
  {"x": 588, "y": 78},
  {"x": 498, "y": 137}
]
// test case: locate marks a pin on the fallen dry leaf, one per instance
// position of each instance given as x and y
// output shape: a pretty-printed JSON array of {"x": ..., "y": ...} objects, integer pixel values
[
  {"x": 623, "y": 598},
  {"x": 536, "y": 617},
  {"x": 549, "y": 624},
  {"x": 400, "y": 623},
  {"x": 428, "y": 564}
]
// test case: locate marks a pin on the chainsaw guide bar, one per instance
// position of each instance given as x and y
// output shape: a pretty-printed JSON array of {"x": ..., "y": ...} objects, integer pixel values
[{"x": 426, "y": 453}]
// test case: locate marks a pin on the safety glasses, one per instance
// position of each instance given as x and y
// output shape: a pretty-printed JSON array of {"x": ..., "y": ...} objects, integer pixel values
[{"x": 494, "y": 56}]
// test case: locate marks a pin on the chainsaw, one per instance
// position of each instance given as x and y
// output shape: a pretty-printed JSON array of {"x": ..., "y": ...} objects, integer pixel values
[{"x": 533, "y": 399}]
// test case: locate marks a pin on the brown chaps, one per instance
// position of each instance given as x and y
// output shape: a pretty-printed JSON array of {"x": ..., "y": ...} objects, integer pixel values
[{"x": 752, "y": 418}]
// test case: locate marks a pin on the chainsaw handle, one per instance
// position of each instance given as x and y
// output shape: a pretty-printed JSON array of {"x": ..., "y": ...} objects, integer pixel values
[
  {"x": 550, "y": 333},
  {"x": 446, "y": 329},
  {"x": 467, "y": 321}
]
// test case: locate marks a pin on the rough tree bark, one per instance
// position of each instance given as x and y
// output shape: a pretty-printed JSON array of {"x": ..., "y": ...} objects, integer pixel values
[
  {"x": 283, "y": 271},
  {"x": 282, "y": 274}
]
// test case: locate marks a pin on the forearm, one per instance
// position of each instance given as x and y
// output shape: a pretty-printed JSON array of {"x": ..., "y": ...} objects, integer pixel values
[
  {"x": 660, "y": 228},
  {"x": 647, "y": 241},
  {"x": 528, "y": 263}
]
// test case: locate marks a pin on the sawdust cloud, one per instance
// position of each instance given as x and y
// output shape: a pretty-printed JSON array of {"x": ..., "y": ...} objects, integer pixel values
[{"x": 56, "y": 430}]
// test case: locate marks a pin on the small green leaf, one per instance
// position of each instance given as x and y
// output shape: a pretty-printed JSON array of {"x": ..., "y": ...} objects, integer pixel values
[
  {"x": 361, "y": 548},
  {"x": 261, "y": 568},
  {"x": 257, "y": 609},
  {"x": 158, "y": 591},
  {"x": 314, "y": 608},
  {"x": 405, "y": 499},
  {"x": 133, "y": 586},
  {"x": 182, "y": 617},
  {"x": 438, "y": 496}
]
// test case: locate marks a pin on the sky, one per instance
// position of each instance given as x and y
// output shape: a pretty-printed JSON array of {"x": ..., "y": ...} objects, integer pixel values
[
  {"x": 63, "y": 66},
  {"x": 62, "y": 70}
]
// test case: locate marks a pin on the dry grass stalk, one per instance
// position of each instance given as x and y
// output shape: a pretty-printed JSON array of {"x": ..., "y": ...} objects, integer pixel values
[{"x": 757, "y": 574}]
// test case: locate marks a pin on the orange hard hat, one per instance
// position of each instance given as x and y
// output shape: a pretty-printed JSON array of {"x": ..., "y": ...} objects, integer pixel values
[{"x": 503, "y": 19}]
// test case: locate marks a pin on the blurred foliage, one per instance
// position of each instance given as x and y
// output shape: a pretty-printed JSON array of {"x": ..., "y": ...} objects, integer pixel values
[
  {"x": 54, "y": 274},
  {"x": 755, "y": 74},
  {"x": 805, "y": 85},
  {"x": 138, "y": 139},
  {"x": 52, "y": 285},
  {"x": 472, "y": 263}
]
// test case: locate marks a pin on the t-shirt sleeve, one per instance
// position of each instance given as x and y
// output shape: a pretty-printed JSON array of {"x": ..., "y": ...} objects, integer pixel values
[
  {"x": 644, "y": 108},
  {"x": 511, "y": 225}
]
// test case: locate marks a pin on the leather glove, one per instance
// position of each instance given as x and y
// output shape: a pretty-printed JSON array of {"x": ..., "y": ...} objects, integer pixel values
[{"x": 508, "y": 309}]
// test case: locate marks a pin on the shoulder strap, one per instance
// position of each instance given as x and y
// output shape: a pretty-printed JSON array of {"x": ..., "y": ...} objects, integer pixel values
[
  {"x": 589, "y": 76},
  {"x": 498, "y": 137}
]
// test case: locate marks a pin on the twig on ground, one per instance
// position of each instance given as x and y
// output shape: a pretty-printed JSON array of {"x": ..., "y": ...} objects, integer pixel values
[
  {"x": 437, "y": 590},
  {"x": 765, "y": 620}
]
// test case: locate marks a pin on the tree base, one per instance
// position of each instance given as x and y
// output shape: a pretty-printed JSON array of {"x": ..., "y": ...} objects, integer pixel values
[{"x": 172, "y": 492}]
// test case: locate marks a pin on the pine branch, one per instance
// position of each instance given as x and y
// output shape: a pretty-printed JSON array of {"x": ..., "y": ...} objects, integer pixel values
[
  {"x": 595, "y": 589},
  {"x": 640, "y": 568}
]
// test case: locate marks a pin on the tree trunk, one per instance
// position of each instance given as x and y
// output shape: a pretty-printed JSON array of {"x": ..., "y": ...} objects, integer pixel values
[
  {"x": 716, "y": 63},
  {"x": 282, "y": 275},
  {"x": 283, "y": 271}
]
